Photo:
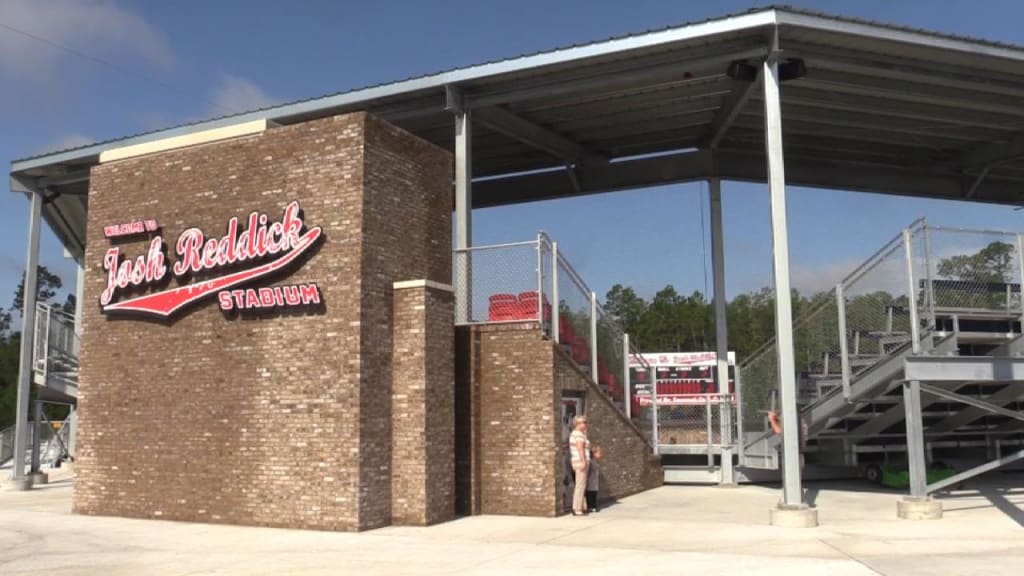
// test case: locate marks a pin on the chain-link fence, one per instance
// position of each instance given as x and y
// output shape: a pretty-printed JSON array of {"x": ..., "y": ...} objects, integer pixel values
[
  {"x": 694, "y": 420},
  {"x": 574, "y": 326},
  {"x": 520, "y": 281},
  {"x": 875, "y": 309},
  {"x": 638, "y": 392},
  {"x": 973, "y": 271},
  {"x": 941, "y": 275},
  {"x": 611, "y": 360},
  {"x": 503, "y": 282}
]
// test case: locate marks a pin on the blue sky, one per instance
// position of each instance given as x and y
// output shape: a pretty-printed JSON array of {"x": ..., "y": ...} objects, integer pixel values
[{"x": 146, "y": 65}]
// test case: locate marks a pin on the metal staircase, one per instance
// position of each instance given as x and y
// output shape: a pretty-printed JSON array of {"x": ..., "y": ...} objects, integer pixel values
[
  {"x": 55, "y": 355},
  {"x": 918, "y": 335}
]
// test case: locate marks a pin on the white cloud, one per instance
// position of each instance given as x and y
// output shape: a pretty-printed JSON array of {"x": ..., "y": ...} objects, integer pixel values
[
  {"x": 235, "y": 94},
  {"x": 99, "y": 28},
  {"x": 809, "y": 280}
]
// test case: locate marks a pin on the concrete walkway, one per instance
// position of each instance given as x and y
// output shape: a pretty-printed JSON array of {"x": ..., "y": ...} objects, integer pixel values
[{"x": 701, "y": 531}]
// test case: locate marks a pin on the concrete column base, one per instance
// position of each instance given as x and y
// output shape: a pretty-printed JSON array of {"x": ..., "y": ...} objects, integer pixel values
[
  {"x": 39, "y": 478},
  {"x": 20, "y": 484},
  {"x": 919, "y": 509},
  {"x": 794, "y": 516}
]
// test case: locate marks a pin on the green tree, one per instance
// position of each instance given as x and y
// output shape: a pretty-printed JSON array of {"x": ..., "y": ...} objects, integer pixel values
[
  {"x": 993, "y": 263},
  {"x": 981, "y": 278},
  {"x": 626, "y": 307},
  {"x": 47, "y": 285}
]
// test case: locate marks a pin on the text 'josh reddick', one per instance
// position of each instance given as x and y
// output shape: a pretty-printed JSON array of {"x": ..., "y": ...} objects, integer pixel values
[{"x": 262, "y": 249}]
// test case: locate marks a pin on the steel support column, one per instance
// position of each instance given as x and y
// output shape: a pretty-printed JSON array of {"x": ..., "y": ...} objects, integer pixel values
[
  {"x": 916, "y": 457},
  {"x": 593, "y": 339},
  {"x": 37, "y": 430},
  {"x": 844, "y": 355},
  {"x": 627, "y": 386},
  {"x": 792, "y": 493},
  {"x": 79, "y": 296},
  {"x": 721, "y": 327},
  {"x": 1020, "y": 277},
  {"x": 654, "y": 408},
  {"x": 915, "y": 439},
  {"x": 463, "y": 215},
  {"x": 27, "y": 335}
]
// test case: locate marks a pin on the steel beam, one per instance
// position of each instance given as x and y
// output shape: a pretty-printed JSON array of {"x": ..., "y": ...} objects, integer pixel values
[
  {"x": 737, "y": 100},
  {"x": 659, "y": 75},
  {"x": 844, "y": 355},
  {"x": 1012, "y": 392},
  {"x": 971, "y": 473},
  {"x": 972, "y": 401},
  {"x": 915, "y": 439},
  {"x": 975, "y": 182},
  {"x": 627, "y": 386},
  {"x": 897, "y": 67},
  {"x": 463, "y": 205},
  {"x": 993, "y": 153},
  {"x": 79, "y": 296},
  {"x": 931, "y": 114},
  {"x": 721, "y": 327},
  {"x": 501, "y": 120},
  {"x": 905, "y": 91},
  {"x": 37, "y": 430},
  {"x": 792, "y": 493},
  {"x": 593, "y": 340},
  {"x": 64, "y": 179},
  {"x": 731, "y": 165},
  {"x": 964, "y": 369},
  {"x": 28, "y": 331}
]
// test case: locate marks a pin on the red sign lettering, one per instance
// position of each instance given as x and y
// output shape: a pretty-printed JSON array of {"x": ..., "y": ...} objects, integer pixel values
[{"x": 267, "y": 246}]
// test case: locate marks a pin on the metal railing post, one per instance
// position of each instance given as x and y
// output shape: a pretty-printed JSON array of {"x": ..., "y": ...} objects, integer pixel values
[
  {"x": 1020, "y": 276},
  {"x": 929, "y": 292},
  {"x": 844, "y": 357},
  {"x": 540, "y": 280},
  {"x": 46, "y": 342},
  {"x": 593, "y": 337},
  {"x": 556, "y": 304},
  {"x": 37, "y": 433},
  {"x": 915, "y": 329},
  {"x": 627, "y": 386},
  {"x": 710, "y": 439},
  {"x": 741, "y": 440},
  {"x": 654, "y": 407}
]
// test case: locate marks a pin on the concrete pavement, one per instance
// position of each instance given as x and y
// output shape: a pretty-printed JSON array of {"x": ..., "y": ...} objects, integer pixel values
[{"x": 702, "y": 531}]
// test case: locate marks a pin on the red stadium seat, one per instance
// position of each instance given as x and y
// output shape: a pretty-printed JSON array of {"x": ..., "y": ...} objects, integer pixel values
[{"x": 502, "y": 307}]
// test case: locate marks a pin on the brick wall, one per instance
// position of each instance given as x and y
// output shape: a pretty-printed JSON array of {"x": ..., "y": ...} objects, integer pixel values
[
  {"x": 406, "y": 234},
  {"x": 272, "y": 420},
  {"x": 627, "y": 465},
  {"x": 511, "y": 454},
  {"x": 423, "y": 405},
  {"x": 518, "y": 449}
]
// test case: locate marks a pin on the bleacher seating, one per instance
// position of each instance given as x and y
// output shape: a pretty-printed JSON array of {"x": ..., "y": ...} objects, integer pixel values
[
  {"x": 523, "y": 306},
  {"x": 515, "y": 308}
]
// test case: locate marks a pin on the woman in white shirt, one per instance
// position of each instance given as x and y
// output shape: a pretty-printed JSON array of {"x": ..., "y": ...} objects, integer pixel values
[{"x": 579, "y": 451}]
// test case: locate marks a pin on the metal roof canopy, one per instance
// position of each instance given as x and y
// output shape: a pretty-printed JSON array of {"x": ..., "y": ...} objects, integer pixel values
[{"x": 880, "y": 108}]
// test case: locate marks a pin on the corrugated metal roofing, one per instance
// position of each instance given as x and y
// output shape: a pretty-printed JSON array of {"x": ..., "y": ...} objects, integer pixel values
[
  {"x": 881, "y": 108},
  {"x": 782, "y": 8}
]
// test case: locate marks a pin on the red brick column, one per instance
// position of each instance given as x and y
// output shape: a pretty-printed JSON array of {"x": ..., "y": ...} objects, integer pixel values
[{"x": 423, "y": 403}]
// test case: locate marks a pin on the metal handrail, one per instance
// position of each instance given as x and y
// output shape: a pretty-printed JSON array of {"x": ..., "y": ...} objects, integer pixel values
[
  {"x": 546, "y": 283},
  {"x": 56, "y": 341}
]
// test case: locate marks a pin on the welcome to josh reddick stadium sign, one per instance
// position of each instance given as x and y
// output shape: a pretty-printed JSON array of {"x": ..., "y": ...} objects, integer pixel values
[{"x": 262, "y": 249}]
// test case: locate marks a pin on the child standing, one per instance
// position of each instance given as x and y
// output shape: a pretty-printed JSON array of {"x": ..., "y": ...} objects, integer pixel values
[{"x": 593, "y": 475}]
